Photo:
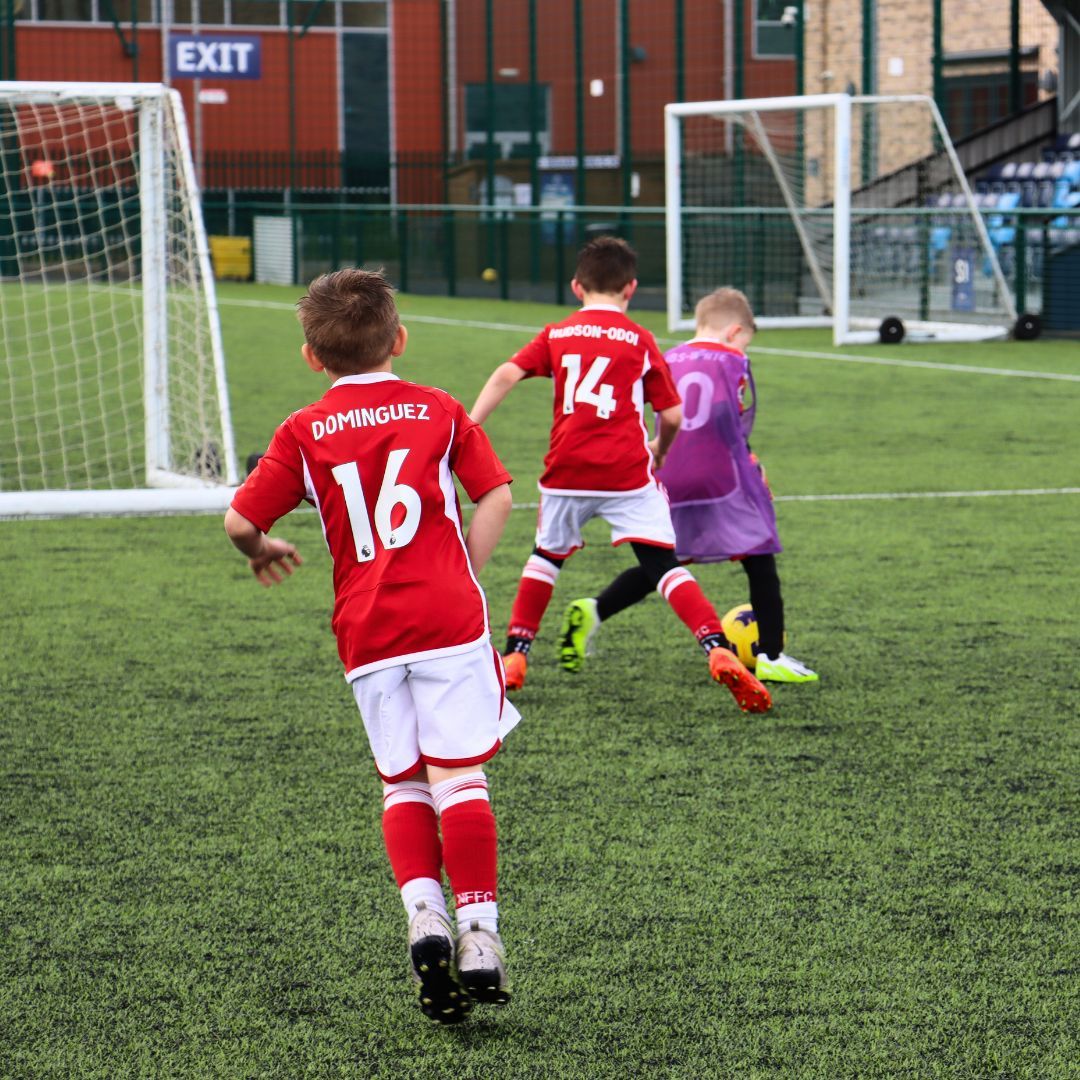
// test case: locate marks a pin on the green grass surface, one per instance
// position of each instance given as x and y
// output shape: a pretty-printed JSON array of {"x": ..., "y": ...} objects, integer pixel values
[{"x": 876, "y": 879}]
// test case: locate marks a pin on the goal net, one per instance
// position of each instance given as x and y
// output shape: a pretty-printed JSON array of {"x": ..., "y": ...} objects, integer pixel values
[
  {"x": 112, "y": 384},
  {"x": 830, "y": 210}
]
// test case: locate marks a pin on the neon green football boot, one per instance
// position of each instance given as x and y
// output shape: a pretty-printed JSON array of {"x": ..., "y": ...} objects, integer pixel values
[
  {"x": 783, "y": 668},
  {"x": 580, "y": 622}
]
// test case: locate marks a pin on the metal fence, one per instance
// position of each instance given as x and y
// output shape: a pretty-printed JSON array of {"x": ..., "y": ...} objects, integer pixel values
[{"x": 526, "y": 253}]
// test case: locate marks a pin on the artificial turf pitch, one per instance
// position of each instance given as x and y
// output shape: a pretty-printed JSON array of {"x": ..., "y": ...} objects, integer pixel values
[{"x": 876, "y": 879}]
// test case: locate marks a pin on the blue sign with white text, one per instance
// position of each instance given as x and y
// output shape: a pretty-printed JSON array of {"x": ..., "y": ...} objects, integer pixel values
[
  {"x": 963, "y": 279},
  {"x": 214, "y": 56}
]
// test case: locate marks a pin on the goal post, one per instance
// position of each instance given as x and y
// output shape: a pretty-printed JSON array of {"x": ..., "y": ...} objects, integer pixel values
[
  {"x": 830, "y": 210},
  {"x": 113, "y": 396}
]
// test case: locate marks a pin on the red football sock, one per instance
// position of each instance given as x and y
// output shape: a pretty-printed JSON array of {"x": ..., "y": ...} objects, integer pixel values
[
  {"x": 411, "y": 832},
  {"x": 469, "y": 841},
  {"x": 679, "y": 588},
  {"x": 470, "y": 851},
  {"x": 533, "y": 596}
]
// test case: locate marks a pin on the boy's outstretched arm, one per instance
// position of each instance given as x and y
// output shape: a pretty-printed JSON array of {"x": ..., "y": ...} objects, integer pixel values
[
  {"x": 502, "y": 380},
  {"x": 668, "y": 428},
  {"x": 488, "y": 522},
  {"x": 265, "y": 556}
]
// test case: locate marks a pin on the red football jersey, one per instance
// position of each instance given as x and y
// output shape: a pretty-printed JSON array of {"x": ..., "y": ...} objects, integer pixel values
[
  {"x": 376, "y": 456},
  {"x": 605, "y": 367}
]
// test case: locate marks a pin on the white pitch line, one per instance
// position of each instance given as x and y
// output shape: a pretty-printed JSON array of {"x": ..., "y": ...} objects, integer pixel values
[
  {"x": 850, "y": 358},
  {"x": 889, "y": 496},
  {"x": 847, "y": 358},
  {"x": 1013, "y": 373},
  {"x": 227, "y": 493}
]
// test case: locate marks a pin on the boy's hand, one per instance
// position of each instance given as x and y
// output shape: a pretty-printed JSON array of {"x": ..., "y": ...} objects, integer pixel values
[
  {"x": 761, "y": 472},
  {"x": 276, "y": 555},
  {"x": 657, "y": 455}
]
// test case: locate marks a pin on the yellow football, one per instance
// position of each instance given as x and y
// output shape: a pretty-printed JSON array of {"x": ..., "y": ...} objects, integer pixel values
[{"x": 741, "y": 629}]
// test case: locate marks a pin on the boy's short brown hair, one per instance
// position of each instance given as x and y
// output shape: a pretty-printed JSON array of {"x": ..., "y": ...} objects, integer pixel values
[
  {"x": 350, "y": 319},
  {"x": 723, "y": 307},
  {"x": 606, "y": 265}
]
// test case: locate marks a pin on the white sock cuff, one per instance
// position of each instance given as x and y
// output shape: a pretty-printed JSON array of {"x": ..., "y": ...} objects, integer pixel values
[
  {"x": 407, "y": 791},
  {"x": 423, "y": 890},
  {"x": 540, "y": 570},
  {"x": 459, "y": 789},
  {"x": 672, "y": 580},
  {"x": 484, "y": 914}
]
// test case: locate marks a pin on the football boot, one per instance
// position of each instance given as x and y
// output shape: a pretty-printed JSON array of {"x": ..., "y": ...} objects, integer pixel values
[
  {"x": 783, "y": 669},
  {"x": 725, "y": 667},
  {"x": 516, "y": 664},
  {"x": 580, "y": 622},
  {"x": 431, "y": 950},
  {"x": 482, "y": 966}
]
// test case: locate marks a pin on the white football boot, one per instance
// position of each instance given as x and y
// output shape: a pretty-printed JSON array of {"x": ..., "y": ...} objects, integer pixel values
[
  {"x": 783, "y": 668},
  {"x": 431, "y": 949},
  {"x": 482, "y": 965}
]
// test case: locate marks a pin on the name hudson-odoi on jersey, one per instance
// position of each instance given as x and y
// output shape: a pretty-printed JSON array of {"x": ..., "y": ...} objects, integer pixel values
[
  {"x": 358, "y": 418},
  {"x": 591, "y": 330}
]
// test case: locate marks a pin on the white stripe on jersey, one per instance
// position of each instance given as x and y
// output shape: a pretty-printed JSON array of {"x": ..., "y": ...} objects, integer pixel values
[
  {"x": 450, "y": 504},
  {"x": 313, "y": 495}
]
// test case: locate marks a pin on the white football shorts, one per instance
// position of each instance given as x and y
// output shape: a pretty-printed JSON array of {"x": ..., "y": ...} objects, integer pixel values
[
  {"x": 450, "y": 711},
  {"x": 641, "y": 515}
]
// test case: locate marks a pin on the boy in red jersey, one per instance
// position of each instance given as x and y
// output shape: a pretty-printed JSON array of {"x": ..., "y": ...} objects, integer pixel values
[
  {"x": 600, "y": 463},
  {"x": 721, "y": 506},
  {"x": 376, "y": 456}
]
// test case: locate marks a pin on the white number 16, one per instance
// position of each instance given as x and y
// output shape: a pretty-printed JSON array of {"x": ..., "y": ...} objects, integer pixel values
[{"x": 391, "y": 495}]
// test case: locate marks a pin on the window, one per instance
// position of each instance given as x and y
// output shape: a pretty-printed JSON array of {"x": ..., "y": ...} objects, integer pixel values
[
  {"x": 974, "y": 102},
  {"x": 363, "y": 13},
  {"x": 773, "y": 37},
  {"x": 211, "y": 12},
  {"x": 350, "y": 14},
  {"x": 512, "y": 129},
  {"x": 326, "y": 15},
  {"x": 145, "y": 12},
  {"x": 68, "y": 10},
  {"x": 256, "y": 13}
]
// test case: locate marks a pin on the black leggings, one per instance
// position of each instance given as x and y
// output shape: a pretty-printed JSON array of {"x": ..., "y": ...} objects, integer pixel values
[{"x": 637, "y": 582}]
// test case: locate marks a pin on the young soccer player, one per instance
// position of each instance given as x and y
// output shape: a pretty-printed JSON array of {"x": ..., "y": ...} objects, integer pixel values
[
  {"x": 721, "y": 506},
  {"x": 600, "y": 463},
  {"x": 376, "y": 456}
]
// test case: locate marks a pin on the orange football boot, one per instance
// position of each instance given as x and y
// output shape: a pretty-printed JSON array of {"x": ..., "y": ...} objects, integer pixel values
[
  {"x": 516, "y": 664},
  {"x": 725, "y": 667}
]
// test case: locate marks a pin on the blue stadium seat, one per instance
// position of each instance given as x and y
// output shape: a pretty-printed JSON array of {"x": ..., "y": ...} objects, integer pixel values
[{"x": 1000, "y": 233}]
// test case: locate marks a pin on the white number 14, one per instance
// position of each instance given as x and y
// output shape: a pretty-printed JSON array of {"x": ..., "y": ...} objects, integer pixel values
[
  {"x": 391, "y": 495},
  {"x": 587, "y": 393}
]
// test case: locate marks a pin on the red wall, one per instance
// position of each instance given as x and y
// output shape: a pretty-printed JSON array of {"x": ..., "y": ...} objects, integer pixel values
[
  {"x": 256, "y": 116},
  {"x": 418, "y": 66},
  {"x": 652, "y": 81}
]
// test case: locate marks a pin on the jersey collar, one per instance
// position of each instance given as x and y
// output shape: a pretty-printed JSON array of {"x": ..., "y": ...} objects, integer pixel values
[
  {"x": 712, "y": 343},
  {"x": 366, "y": 377},
  {"x": 603, "y": 307}
]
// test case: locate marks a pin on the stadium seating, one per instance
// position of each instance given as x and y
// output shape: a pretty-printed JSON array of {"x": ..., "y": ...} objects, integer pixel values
[{"x": 1053, "y": 183}]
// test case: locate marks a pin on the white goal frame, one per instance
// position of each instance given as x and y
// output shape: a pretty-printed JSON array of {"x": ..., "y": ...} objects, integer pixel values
[
  {"x": 846, "y": 328},
  {"x": 167, "y": 490}
]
